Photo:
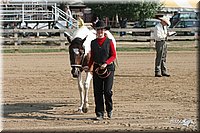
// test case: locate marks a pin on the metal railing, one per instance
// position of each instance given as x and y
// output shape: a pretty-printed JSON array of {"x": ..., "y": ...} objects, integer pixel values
[
  {"x": 60, "y": 15},
  {"x": 25, "y": 12},
  {"x": 37, "y": 12}
]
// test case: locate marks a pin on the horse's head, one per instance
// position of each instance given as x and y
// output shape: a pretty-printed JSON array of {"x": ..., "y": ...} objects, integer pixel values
[{"x": 76, "y": 53}]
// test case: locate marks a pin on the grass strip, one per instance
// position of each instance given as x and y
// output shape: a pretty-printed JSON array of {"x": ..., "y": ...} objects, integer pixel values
[{"x": 124, "y": 49}]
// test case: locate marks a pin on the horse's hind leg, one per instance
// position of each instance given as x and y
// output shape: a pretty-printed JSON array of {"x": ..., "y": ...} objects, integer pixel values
[{"x": 86, "y": 87}]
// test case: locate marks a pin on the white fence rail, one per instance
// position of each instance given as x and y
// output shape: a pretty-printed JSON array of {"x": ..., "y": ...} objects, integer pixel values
[
  {"x": 14, "y": 35},
  {"x": 149, "y": 37}
]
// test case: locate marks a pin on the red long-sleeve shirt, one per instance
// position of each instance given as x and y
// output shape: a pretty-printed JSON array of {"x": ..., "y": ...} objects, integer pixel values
[{"x": 112, "y": 52}]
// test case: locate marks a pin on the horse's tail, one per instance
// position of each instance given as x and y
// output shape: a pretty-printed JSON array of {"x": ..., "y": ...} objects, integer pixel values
[{"x": 116, "y": 62}]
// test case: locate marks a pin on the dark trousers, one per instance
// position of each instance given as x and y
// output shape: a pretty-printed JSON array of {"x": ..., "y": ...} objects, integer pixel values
[{"x": 103, "y": 91}]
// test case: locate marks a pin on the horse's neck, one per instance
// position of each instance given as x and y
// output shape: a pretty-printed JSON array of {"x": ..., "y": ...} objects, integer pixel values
[
  {"x": 81, "y": 32},
  {"x": 86, "y": 59}
]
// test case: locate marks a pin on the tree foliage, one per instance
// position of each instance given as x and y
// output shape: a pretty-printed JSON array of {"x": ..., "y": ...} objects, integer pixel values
[{"x": 132, "y": 11}]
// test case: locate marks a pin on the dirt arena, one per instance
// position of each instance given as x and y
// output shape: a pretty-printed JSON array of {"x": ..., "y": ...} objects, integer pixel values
[{"x": 39, "y": 94}]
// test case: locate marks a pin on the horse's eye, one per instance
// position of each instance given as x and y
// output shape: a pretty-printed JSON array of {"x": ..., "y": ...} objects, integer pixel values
[{"x": 81, "y": 51}]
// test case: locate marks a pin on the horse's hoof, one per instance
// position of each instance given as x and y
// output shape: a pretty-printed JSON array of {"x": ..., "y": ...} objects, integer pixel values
[
  {"x": 79, "y": 111},
  {"x": 85, "y": 110}
]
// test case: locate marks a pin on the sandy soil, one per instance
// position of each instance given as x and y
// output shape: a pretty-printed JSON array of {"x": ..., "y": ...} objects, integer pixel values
[{"x": 40, "y": 95}]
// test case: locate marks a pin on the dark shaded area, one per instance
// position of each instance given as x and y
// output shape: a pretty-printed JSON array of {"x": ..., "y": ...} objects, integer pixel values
[{"x": 10, "y": 109}]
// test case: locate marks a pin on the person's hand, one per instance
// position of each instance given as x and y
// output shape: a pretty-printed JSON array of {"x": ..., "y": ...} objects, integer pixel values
[
  {"x": 103, "y": 66},
  {"x": 86, "y": 68}
]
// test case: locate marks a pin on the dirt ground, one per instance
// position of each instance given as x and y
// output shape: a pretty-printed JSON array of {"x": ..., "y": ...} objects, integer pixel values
[{"x": 39, "y": 94}]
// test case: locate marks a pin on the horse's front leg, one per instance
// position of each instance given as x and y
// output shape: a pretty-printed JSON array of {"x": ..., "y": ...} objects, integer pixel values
[
  {"x": 80, "y": 87},
  {"x": 86, "y": 87}
]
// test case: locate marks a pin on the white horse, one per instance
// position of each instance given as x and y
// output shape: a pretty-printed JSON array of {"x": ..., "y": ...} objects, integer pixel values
[{"x": 79, "y": 50}]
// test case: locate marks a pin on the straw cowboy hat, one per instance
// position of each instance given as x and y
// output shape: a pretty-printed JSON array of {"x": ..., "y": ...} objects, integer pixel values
[
  {"x": 100, "y": 25},
  {"x": 165, "y": 19}
]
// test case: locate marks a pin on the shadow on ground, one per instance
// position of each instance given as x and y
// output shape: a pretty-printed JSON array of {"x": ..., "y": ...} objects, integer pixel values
[{"x": 40, "y": 111}]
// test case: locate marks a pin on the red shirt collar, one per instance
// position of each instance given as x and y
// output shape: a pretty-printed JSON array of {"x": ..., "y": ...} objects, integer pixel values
[{"x": 101, "y": 40}]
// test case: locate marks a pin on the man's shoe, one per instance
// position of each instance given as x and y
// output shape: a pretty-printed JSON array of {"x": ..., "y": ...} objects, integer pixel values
[
  {"x": 166, "y": 75},
  {"x": 99, "y": 118},
  {"x": 158, "y": 75},
  {"x": 109, "y": 114}
]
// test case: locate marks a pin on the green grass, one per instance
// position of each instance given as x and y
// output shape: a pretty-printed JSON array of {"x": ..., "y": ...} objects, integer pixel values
[
  {"x": 123, "y": 49},
  {"x": 182, "y": 48},
  {"x": 32, "y": 50},
  {"x": 146, "y": 49},
  {"x": 134, "y": 49}
]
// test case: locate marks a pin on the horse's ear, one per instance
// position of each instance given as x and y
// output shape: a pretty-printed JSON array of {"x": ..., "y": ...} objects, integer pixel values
[
  {"x": 84, "y": 39},
  {"x": 69, "y": 39}
]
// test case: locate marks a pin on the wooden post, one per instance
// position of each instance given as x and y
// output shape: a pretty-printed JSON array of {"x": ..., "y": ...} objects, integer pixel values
[
  {"x": 151, "y": 39},
  {"x": 196, "y": 37},
  {"x": 16, "y": 41},
  {"x": 62, "y": 43}
]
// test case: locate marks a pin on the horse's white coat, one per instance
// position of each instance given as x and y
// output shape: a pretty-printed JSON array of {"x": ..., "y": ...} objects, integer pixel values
[
  {"x": 82, "y": 32},
  {"x": 84, "y": 88}
]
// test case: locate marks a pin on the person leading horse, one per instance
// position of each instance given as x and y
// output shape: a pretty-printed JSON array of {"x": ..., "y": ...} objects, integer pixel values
[{"x": 103, "y": 54}]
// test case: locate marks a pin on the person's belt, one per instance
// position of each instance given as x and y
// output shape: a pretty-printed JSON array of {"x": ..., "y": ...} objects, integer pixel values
[{"x": 101, "y": 64}]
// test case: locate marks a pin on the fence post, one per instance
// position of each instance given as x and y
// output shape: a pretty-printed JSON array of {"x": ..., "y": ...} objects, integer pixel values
[
  {"x": 56, "y": 13},
  {"x": 15, "y": 40},
  {"x": 151, "y": 38},
  {"x": 62, "y": 43},
  {"x": 23, "y": 15},
  {"x": 196, "y": 37}
]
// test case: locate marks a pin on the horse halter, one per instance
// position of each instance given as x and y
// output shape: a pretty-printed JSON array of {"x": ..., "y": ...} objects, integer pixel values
[{"x": 76, "y": 51}]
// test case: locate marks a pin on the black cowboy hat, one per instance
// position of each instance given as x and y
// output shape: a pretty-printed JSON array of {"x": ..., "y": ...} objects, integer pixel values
[
  {"x": 100, "y": 25},
  {"x": 102, "y": 73}
]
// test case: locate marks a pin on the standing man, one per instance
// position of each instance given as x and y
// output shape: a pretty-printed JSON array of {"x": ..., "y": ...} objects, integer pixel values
[
  {"x": 161, "y": 34},
  {"x": 103, "y": 54}
]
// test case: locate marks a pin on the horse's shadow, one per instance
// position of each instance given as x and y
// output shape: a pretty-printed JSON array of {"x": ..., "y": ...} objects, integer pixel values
[{"x": 40, "y": 111}]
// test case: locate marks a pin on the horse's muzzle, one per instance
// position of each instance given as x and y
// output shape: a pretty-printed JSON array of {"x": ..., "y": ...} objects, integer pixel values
[{"x": 75, "y": 72}]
